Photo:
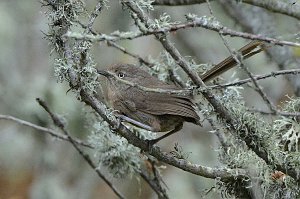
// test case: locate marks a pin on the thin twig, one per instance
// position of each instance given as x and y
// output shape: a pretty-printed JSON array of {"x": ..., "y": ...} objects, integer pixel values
[
  {"x": 175, "y": 78},
  {"x": 193, "y": 22},
  {"x": 240, "y": 63},
  {"x": 221, "y": 135},
  {"x": 43, "y": 129},
  {"x": 60, "y": 124},
  {"x": 257, "y": 77}
]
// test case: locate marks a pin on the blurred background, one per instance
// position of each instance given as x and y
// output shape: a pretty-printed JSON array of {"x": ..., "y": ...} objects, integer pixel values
[{"x": 35, "y": 165}]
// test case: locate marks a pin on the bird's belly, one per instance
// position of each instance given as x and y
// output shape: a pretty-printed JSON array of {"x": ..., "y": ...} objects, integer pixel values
[
  {"x": 169, "y": 122},
  {"x": 158, "y": 123}
]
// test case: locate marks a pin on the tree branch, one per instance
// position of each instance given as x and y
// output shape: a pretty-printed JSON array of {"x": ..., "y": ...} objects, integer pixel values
[
  {"x": 251, "y": 138},
  {"x": 289, "y": 9},
  {"x": 202, "y": 22}
]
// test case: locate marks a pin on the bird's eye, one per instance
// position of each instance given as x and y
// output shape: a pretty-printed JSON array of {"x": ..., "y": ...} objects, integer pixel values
[{"x": 121, "y": 75}]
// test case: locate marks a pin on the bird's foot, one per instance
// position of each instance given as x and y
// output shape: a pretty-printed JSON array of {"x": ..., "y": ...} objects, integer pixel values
[{"x": 150, "y": 143}]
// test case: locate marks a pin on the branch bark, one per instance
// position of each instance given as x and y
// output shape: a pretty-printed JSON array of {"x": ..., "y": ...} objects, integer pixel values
[{"x": 289, "y": 9}]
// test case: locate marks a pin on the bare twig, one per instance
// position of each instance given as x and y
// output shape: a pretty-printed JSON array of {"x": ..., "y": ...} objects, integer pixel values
[
  {"x": 176, "y": 79},
  {"x": 60, "y": 124},
  {"x": 257, "y": 77},
  {"x": 290, "y": 9},
  {"x": 43, "y": 129},
  {"x": 220, "y": 135}
]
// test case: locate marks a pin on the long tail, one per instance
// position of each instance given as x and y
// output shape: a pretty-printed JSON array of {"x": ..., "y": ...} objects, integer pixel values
[{"x": 246, "y": 51}]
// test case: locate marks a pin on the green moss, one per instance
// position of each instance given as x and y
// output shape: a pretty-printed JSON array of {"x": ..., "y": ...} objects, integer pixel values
[
  {"x": 113, "y": 152},
  {"x": 268, "y": 135}
]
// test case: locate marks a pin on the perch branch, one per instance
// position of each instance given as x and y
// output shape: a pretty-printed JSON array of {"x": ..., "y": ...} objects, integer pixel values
[{"x": 286, "y": 8}]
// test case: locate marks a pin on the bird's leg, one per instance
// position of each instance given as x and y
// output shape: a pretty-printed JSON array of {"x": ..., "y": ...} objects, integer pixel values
[
  {"x": 134, "y": 122},
  {"x": 176, "y": 129}
]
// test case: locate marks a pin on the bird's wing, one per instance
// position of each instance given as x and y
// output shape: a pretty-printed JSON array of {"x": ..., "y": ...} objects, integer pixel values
[{"x": 162, "y": 104}]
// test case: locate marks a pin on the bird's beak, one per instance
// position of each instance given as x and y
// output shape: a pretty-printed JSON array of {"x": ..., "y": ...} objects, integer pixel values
[{"x": 104, "y": 73}]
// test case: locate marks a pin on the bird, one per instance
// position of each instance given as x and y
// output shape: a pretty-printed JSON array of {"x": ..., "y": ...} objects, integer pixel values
[{"x": 159, "y": 111}]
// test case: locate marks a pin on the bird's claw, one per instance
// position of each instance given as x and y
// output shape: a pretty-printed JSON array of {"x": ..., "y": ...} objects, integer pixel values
[
  {"x": 150, "y": 144},
  {"x": 118, "y": 123}
]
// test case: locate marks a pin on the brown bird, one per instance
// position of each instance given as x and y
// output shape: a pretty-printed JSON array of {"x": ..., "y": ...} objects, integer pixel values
[{"x": 158, "y": 111}]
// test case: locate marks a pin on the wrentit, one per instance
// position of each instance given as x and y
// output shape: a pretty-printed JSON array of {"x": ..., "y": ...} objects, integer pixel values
[{"x": 159, "y": 111}]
